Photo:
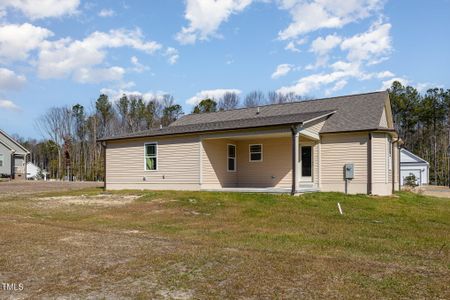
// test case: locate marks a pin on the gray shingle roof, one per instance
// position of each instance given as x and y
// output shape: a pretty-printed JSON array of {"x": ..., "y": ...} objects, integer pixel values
[
  {"x": 351, "y": 113},
  {"x": 227, "y": 125}
]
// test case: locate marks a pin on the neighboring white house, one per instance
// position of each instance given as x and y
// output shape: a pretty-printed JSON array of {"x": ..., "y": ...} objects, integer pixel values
[
  {"x": 413, "y": 164},
  {"x": 32, "y": 171}
]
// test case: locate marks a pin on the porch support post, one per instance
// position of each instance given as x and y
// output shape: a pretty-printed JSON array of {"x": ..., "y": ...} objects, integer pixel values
[{"x": 295, "y": 129}]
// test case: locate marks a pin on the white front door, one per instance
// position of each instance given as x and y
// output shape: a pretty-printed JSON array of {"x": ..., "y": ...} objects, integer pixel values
[{"x": 306, "y": 163}]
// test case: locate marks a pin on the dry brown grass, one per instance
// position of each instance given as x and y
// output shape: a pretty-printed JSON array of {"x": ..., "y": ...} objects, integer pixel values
[{"x": 182, "y": 245}]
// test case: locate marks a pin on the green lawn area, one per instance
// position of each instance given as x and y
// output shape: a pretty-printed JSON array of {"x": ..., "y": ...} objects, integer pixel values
[{"x": 181, "y": 245}]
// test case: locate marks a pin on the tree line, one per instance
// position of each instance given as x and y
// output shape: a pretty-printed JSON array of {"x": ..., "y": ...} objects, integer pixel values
[{"x": 423, "y": 123}]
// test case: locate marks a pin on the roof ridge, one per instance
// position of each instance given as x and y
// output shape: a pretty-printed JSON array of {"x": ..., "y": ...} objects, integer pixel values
[
  {"x": 13, "y": 140},
  {"x": 266, "y": 117},
  {"x": 286, "y": 103}
]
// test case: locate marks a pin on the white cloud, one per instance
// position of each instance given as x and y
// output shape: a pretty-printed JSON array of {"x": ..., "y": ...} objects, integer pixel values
[
  {"x": 424, "y": 86},
  {"x": 214, "y": 94},
  {"x": 293, "y": 45},
  {"x": 35, "y": 9},
  {"x": 138, "y": 67},
  {"x": 388, "y": 83},
  {"x": 367, "y": 48},
  {"x": 16, "y": 41},
  {"x": 79, "y": 58},
  {"x": 369, "y": 45},
  {"x": 116, "y": 94},
  {"x": 307, "y": 84},
  {"x": 321, "y": 61},
  {"x": 106, "y": 12},
  {"x": 322, "y": 46},
  {"x": 337, "y": 87},
  {"x": 172, "y": 55},
  {"x": 281, "y": 70},
  {"x": 10, "y": 80},
  {"x": 341, "y": 72},
  {"x": 385, "y": 74},
  {"x": 206, "y": 16},
  {"x": 311, "y": 15},
  {"x": 9, "y": 105},
  {"x": 96, "y": 75}
]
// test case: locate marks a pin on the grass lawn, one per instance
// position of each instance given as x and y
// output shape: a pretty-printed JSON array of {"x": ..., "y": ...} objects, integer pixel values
[{"x": 182, "y": 245}]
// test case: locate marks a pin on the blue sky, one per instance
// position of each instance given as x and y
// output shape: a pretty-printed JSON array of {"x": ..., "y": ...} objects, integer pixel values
[{"x": 55, "y": 53}]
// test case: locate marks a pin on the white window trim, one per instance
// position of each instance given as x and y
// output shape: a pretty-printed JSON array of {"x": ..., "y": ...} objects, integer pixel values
[
  {"x": 145, "y": 156},
  {"x": 235, "y": 158},
  {"x": 250, "y": 153}
]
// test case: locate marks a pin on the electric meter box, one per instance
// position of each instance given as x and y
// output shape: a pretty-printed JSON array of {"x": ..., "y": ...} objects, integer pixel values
[{"x": 348, "y": 171}]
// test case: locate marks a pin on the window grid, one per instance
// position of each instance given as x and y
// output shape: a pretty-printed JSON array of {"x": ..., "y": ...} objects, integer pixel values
[
  {"x": 255, "y": 152},
  {"x": 231, "y": 158},
  {"x": 150, "y": 156}
]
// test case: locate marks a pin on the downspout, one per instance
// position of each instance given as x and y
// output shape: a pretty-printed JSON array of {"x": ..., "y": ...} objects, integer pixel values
[
  {"x": 369, "y": 164},
  {"x": 295, "y": 129},
  {"x": 393, "y": 165},
  {"x": 104, "y": 164},
  {"x": 12, "y": 163}
]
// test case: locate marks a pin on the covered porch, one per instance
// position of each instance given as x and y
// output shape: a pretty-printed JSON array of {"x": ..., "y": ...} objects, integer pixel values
[{"x": 282, "y": 160}]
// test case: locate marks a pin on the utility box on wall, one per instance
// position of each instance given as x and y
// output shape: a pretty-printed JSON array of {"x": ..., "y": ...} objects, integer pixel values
[{"x": 348, "y": 171}]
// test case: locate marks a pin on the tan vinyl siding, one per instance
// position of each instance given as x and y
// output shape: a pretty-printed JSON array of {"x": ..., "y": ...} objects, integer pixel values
[
  {"x": 273, "y": 171},
  {"x": 335, "y": 151},
  {"x": 380, "y": 166},
  {"x": 214, "y": 166},
  {"x": 315, "y": 126},
  {"x": 383, "y": 120},
  {"x": 178, "y": 162},
  {"x": 381, "y": 175}
]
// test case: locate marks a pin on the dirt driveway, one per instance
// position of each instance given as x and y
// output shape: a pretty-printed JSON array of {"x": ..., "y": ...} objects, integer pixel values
[
  {"x": 32, "y": 187},
  {"x": 436, "y": 191}
]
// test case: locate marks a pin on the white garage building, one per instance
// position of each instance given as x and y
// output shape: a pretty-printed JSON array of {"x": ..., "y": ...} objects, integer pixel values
[{"x": 412, "y": 164}]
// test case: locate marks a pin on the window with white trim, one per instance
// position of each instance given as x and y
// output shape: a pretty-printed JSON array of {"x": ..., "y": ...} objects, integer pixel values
[
  {"x": 255, "y": 152},
  {"x": 231, "y": 158},
  {"x": 151, "y": 156},
  {"x": 1, "y": 160}
]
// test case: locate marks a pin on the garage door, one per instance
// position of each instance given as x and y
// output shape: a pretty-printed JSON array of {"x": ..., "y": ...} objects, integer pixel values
[{"x": 405, "y": 173}]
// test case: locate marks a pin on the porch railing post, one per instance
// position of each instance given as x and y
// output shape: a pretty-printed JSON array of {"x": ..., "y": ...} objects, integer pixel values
[{"x": 295, "y": 129}]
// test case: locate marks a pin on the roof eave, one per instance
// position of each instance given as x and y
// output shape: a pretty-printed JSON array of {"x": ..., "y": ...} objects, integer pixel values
[
  {"x": 390, "y": 130},
  {"x": 287, "y": 125}
]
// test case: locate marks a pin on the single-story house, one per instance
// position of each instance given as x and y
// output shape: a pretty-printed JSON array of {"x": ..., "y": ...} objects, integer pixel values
[
  {"x": 13, "y": 157},
  {"x": 411, "y": 164},
  {"x": 290, "y": 147}
]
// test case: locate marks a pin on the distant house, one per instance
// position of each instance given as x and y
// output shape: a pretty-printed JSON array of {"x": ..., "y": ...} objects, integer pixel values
[
  {"x": 339, "y": 144},
  {"x": 411, "y": 164},
  {"x": 33, "y": 171},
  {"x": 13, "y": 157}
]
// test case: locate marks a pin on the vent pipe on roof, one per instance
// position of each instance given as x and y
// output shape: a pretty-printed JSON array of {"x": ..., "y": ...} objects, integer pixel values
[
  {"x": 257, "y": 110},
  {"x": 160, "y": 126}
]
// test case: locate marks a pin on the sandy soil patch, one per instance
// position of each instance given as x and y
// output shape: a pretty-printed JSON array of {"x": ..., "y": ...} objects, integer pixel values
[
  {"x": 432, "y": 190},
  {"x": 104, "y": 200},
  {"x": 14, "y": 188}
]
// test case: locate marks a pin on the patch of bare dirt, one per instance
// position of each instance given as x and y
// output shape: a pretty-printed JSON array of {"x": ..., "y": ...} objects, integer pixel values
[
  {"x": 95, "y": 200},
  {"x": 432, "y": 190},
  {"x": 13, "y": 188}
]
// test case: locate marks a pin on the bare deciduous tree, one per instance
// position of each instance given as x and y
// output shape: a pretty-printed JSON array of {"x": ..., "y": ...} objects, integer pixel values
[
  {"x": 230, "y": 100},
  {"x": 254, "y": 99}
]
